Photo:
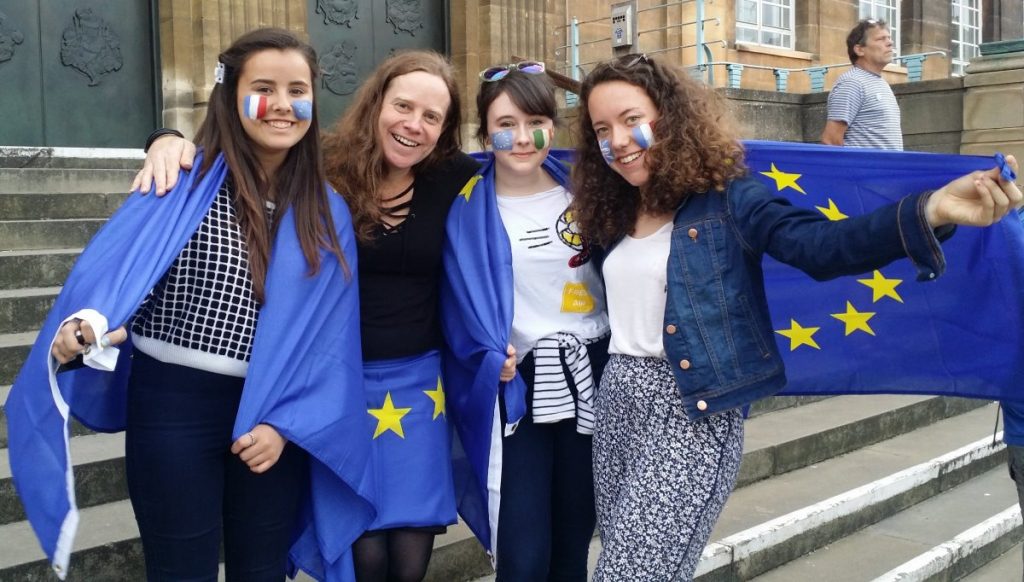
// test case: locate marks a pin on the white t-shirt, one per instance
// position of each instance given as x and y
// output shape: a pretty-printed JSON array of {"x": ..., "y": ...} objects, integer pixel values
[
  {"x": 635, "y": 273},
  {"x": 553, "y": 292}
]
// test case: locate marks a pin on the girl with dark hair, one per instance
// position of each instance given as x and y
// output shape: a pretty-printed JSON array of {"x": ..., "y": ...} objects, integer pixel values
[
  {"x": 242, "y": 379},
  {"x": 395, "y": 158},
  {"x": 660, "y": 181},
  {"x": 514, "y": 214}
]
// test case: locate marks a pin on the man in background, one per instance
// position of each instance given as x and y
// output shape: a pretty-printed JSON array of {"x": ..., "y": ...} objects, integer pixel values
[{"x": 862, "y": 110}]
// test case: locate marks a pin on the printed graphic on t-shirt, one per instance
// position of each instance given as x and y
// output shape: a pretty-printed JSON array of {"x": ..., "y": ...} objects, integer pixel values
[
  {"x": 576, "y": 298},
  {"x": 569, "y": 233}
]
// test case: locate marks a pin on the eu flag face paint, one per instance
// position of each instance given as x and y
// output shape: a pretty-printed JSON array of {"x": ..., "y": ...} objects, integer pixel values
[
  {"x": 606, "y": 150},
  {"x": 504, "y": 140},
  {"x": 303, "y": 109},
  {"x": 255, "y": 106}
]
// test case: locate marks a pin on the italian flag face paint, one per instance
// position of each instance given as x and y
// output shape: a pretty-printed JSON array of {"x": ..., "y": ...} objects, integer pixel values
[
  {"x": 255, "y": 107},
  {"x": 542, "y": 137}
]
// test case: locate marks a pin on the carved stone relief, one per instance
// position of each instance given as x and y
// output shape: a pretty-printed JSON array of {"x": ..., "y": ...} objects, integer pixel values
[
  {"x": 90, "y": 46},
  {"x": 405, "y": 15},
  {"x": 9, "y": 37},
  {"x": 340, "y": 12},
  {"x": 338, "y": 68}
]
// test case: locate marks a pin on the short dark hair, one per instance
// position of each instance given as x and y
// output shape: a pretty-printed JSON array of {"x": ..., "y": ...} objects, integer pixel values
[
  {"x": 533, "y": 93},
  {"x": 859, "y": 33}
]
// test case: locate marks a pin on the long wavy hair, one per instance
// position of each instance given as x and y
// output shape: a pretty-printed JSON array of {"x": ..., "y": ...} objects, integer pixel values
[
  {"x": 300, "y": 182},
  {"x": 352, "y": 153},
  {"x": 696, "y": 149}
]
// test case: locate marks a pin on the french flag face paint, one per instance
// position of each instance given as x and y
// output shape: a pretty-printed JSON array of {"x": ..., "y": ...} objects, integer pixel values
[
  {"x": 504, "y": 140},
  {"x": 255, "y": 107},
  {"x": 542, "y": 137},
  {"x": 303, "y": 109},
  {"x": 643, "y": 135}
]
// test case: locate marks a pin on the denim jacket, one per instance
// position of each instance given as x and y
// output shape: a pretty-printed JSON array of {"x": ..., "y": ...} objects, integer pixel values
[{"x": 717, "y": 331}]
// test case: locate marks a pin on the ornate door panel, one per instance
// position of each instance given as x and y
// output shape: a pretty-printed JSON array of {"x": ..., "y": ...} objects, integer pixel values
[
  {"x": 353, "y": 36},
  {"x": 76, "y": 73}
]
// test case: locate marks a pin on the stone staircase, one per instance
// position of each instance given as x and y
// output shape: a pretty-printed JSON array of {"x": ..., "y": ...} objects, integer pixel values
[{"x": 842, "y": 488}]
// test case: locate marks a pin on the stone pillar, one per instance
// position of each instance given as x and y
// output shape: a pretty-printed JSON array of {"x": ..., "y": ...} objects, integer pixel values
[
  {"x": 994, "y": 101},
  {"x": 489, "y": 32},
  {"x": 194, "y": 32},
  {"x": 926, "y": 27},
  {"x": 1001, "y": 20}
]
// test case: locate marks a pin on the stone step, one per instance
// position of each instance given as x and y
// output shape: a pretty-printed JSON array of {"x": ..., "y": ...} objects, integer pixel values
[
  {"x": 59, "y": 206},
  {"x": 76, "y": 427},
  {"x": 773, "y": 403},
  {"x": 85, "y": 158},
  {"x": 872, "y": 552},
  {"x": 769, "y": 522},
  {"x": 99, "y": 475},
  {"x": 768, "y": 447},
  {"x": 14, "y": 349},
  {"x": 1002, "y": 568},
  {"x": 19, "y": 235},
  {"x": 64, "y": 180},
  {"x": 25, "y": 309},
  {"x": 107, "y": 548},
  {"x": 772, "y": 522},
  {"x": 965, "y": 553},
  {"x": 803, "y": 435},
  {"x": 36, "y": 268}
]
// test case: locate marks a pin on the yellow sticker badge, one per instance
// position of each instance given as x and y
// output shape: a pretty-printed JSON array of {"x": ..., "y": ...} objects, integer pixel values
[{"x": 576, "y": 298}]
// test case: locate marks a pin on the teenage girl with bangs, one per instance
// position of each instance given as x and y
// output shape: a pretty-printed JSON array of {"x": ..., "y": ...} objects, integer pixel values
[{"x": 541, "y": 484}]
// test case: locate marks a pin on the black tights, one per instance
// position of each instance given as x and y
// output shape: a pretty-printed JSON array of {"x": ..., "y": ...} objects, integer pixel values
[{"x": 393, "y": 555}]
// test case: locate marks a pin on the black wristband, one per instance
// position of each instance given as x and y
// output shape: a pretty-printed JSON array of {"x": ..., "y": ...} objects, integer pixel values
[{"x": 160, "y": 133}]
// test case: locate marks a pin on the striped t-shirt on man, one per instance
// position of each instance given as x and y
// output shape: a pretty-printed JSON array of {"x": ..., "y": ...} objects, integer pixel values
[{"x": 865, "y": 102}]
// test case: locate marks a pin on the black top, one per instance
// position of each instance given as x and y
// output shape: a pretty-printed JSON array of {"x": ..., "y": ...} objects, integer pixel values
[{"x": 400, "y": 272}]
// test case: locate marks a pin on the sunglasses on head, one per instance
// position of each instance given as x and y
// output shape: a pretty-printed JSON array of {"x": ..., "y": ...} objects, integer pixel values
[
  {"x": 634, "y": 59},
  {"x": 498, "y": 73}
]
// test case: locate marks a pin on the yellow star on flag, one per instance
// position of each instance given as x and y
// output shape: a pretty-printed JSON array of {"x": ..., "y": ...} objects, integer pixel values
[
  {"x": 784, "y": 180},
  {"x": 467, "y": 190},
  {"x": 799, "y": 335},
  {"x": 388, "y": 417},
  {"x": 882, "y": 287},
  {"x": 832, "y": 212},
  {"x": 437, "y": 395},
  {"x": 855, "y": 320}
]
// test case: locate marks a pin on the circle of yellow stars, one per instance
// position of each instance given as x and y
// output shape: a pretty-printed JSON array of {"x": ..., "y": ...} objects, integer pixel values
[
  {"x": 853, "y": 320},
  {"x": 389, "y": 417}
]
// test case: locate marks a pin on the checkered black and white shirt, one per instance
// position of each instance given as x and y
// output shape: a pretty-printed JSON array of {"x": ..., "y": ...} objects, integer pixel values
[{"x": 203, "y": 313}]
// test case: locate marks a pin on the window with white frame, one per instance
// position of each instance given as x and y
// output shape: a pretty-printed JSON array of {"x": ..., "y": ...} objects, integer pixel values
[
  {"x": 767, "y": 22},
  {"x": 887, "y": 10},
  {"x": 966, "y": 33}
]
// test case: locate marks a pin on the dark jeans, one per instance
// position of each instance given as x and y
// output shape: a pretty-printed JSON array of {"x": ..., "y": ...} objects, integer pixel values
[
  {"x": 186, "y": 487},
  {"x": 546, "y": 519}
]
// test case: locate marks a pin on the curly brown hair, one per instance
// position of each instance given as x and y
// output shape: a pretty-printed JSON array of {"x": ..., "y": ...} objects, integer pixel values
[
  {"x": 696, "y": 149},
  {"x": 353, "y": 157}
]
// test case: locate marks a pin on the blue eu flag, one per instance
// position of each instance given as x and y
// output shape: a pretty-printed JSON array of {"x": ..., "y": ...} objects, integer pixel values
[{"x": 884, "y": 332}]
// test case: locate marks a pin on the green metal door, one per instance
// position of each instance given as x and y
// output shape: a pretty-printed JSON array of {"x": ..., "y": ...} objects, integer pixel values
[
  {"x": 76, "y": 73},
  {"x": 353, "y": 36}
]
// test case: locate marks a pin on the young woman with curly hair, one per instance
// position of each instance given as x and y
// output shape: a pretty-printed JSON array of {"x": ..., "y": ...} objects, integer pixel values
[{"x": 660, "y": 182}]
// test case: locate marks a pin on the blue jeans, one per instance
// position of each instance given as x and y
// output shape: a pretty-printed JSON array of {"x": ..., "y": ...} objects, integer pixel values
[
  {"x": 186, "y": 487},
  {"x": 547, "y": 517}
]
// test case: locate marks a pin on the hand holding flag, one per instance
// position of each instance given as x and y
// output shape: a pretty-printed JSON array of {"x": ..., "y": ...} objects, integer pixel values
[{"x": 976, "y": 199}]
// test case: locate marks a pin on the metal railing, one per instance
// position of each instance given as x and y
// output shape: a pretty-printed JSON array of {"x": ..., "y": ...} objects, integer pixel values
[{"x": 734, "y": 71}]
